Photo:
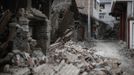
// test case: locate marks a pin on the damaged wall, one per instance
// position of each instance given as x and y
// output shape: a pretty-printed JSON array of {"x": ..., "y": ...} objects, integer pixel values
[
  {"x": 61, "y": 18},
  {"x": 34, "y": 26},
  {"x": 41, "y": 33},
  {"x": 26, "y": 30}
]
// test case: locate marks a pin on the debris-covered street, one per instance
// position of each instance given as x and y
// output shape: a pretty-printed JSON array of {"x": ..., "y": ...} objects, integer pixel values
[
  {"x": 66, "y": 37},
  {"x": 81, "y": 58},
  {"x": 115, "y": 49},
  {"x": 75, "y": 58}
]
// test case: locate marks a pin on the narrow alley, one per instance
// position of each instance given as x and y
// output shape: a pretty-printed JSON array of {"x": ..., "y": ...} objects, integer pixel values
[
  {"x": 113, "y": 49},
  {"x": 108, "y": 48},
  {"x": 66, "y": 37}
]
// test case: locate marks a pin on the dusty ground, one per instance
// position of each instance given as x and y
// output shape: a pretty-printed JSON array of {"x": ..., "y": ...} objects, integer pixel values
[
  {"x": 71, "y": 59},
  {"x": 113, "y": 49}
]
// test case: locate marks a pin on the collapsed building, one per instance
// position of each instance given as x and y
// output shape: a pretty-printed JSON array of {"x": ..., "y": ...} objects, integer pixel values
[
  {"x": 36, "y": 39},
  {"x": 29, "y": 25},
  {"x": 63, "y": 15}
]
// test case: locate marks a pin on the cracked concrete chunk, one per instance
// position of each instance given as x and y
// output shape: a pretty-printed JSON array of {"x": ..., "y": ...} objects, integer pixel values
[{"x": 69, "y": 69}]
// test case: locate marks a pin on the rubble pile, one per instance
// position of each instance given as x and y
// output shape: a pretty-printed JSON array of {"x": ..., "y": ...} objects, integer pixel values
[
  {"x": 77, "y": 59},
  {"x": 110, "y": 34},
  {"x": 23, "y": 53},
  {"x": 23, "y": 60},
  {"x": 129, "y": 53}
]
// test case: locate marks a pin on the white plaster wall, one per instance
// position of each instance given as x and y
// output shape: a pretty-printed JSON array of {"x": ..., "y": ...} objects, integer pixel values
[
  {"x": 107, "y": 18},
  {"x": 105, "y": 1},
  {"x": 129, "y": 12},
  {"x": 95, "y": 13},
  {"x": 131, "y": 34}
]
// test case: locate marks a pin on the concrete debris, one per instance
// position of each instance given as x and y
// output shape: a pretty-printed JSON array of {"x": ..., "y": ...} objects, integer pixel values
[
  {"x": 21, "y": 41},
  {"x": 72, "y": 59},
  {"x": 35, "y": 13},
  {"x": 39, "y": 57},
  {"x": 35, "y": 58},
  {"x": 21, "y": 60},
  {"x": 76, "y": 59},
  {"x": 65, "y": 57},
  {"x": 129, "y": 53},
  {"x": 69, "y": 69}
]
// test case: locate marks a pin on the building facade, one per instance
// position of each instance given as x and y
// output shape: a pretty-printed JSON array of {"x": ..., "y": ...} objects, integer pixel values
[
  {"x": 105, "y": 9},
  {"x": 95, "y": 22},
  {"x": 123, "y": 10}
]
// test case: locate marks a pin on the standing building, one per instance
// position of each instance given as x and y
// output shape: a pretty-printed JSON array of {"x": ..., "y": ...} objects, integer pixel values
[
  {"x": 105, "y": 9},
  {"x": 96, "y": 24},
  {"x": 123, "y": 10},
  {"x": 89, "y": 16}
]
